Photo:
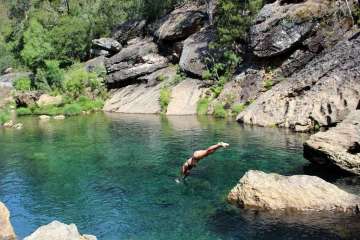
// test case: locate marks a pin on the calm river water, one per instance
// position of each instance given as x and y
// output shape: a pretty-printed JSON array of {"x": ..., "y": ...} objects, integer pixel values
[{"x": 113, "y": 176}]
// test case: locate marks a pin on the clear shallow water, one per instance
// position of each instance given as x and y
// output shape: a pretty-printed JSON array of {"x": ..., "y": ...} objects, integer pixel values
[{"x": 113, "y": 176}]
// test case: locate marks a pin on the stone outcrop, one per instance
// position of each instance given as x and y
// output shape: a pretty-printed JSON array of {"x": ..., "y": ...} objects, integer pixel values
[
  {"x": 195, "y": 51},
  {"x": 319, "y": 95},
  {"x": 339, "y": 146},
  {"x": 138, "y": 59},
  {"x": 181, "y": 23},
  {"x": 95, "y": 63},
  {"x": 6, "y": 229},
  {"x": 136, "y": 98},
  {"x": 46, "y": 100},
  {"x": 7, "y": 80},
  {"x": 279, "y": 27},
  {"x": 263, "y": 191},
  {"x": 58, "y": 231},
  {"x": 184, "y": 97},
  {"x": 129, "y": 30},
  {"x": 26, "y": 99},
  {"x": 105, "y": 47}
]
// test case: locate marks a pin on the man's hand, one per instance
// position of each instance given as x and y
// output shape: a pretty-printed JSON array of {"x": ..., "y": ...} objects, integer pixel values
[{"x": 224, "y": 145}]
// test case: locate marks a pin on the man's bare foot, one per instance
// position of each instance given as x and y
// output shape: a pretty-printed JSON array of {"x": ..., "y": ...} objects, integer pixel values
[{"x": 224, "y": 145}]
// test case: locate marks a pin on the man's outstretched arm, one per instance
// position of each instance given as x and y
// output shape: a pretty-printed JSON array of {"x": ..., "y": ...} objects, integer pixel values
[{"x": 215, "y": 147}]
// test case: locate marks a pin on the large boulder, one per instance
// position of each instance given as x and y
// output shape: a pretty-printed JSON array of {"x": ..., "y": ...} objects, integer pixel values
[
  {"x": 339, "y": 146},
  {"x": 181, "y": 23},
  {"x": 105, "y": 47},
  {"x": 46, "y": 100},
  {"x": 94, "y": 64},
  {"x": 319, "y": 95},
  {"x": 196, "y": 49},
  {"x": 58, "y": 231},
  {"x": 7, "y": 80},
  {"x": 184, "y": 97},
  {"x": 129, "y": 30},
  {"x": 6, "y": 229},
  {"x": 138, "y": 59},
  {"x": 263, "y": 191},
  {"x": 279, "y": 27},
  {"x": 135, "y": 98},
  {"x": 26, "y": 99}
]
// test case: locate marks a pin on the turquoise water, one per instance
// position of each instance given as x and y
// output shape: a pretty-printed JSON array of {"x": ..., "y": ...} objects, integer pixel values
[{"x": 113, "y": 176}]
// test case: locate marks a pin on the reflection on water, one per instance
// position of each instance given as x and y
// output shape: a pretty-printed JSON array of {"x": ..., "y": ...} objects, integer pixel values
[{"x": 113, "y": 175}]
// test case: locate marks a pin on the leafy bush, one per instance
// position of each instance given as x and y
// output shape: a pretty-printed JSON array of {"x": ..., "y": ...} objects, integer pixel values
[
  {"x": 77, "y": 79},
  {"x": 72, "y": 109},
  {"x": 22, "y": 84},
  {"x": 268, "y": 83},
  {"x": 202, "y": 106},
  {"x": 165, "y": 96},
  {"x": 23, "y": 111},
  {"x": 48, "y": 110},
  {"x": 219, "y": 111},
  {"x": 237, "y": 108},
  {"x": 87, "y": 104},
  {"x": 4, "y": 116}
]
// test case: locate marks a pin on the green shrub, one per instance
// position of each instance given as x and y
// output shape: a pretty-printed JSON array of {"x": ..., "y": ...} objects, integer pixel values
[
  {"x": 72, "y": 109},
  {"x": 48, "y": 110},
  {"x": 219, "y": 111},
  {"x": 23, "y": 111},
  {"x": 268, "y": 84},
  {"x": 165, "y": 96},
  {"x": 202, "y": 106},
  {"x": 22, "y": 84},
  {"x": 161, "y": 78},
  {"x": 237, "y": 108},
  {"x": 87, "y": 104},
  {"x": 4, "y": 116},
  {"x": 206, "y": 75}
]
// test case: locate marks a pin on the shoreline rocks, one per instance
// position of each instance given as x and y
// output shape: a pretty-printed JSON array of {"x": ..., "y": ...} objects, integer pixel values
[
  {"x": 339, "y": 146},
  {"x": 6, "y": 229},
  {"x": 58, "y": 231},
  {"x": 259, "y": 190}
]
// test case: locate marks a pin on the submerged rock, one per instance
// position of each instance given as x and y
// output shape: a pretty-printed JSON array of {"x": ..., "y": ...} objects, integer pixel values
[
  {"x": 58, "y": 231},
  {"x": 184, "y": 97},
  {"x": 295, "y": 193},
  {"x": 196, "y": 49},
  {"x": 339, "y": 146},
  {"x": 181, "y": 23},
  {"x": 6, "y": 229},
  {"x": 321, "y": 94}
]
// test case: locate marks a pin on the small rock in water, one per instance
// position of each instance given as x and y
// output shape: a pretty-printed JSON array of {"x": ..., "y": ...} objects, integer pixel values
[
  {"x": 59, "y": 117},
  {"x": 18, "y": 126},
  {"x": 44, "y": 117},
  {"x": 58, "y": 231},
  {"x": 9, "y": 124}
]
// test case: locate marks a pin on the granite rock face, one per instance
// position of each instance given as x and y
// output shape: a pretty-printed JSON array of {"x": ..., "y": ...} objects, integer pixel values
[
  {"x": 105, "y": 47},
  {"x": 6, "y": 229},
  {"x": 195, "y": 51},
  {"x": 58, "y": 231},
  {"x": 339, "y": 146},
  {"x": 259, "y": 190},
  {"x": 7, "y": 80},
  {"x": 184, "y": 97},
  {"x": 181, "y": 23},
  {"x": 319, "y": 95},
  {"x": 138, "y": 59},
  {"x": 129, "y": 30}
]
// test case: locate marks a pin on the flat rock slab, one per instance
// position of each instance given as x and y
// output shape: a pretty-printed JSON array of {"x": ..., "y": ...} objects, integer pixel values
[
  {"x": 137, "y": 98},
  {"x": 6, "y": 229},
  {"x": 264, "y": 191},
  {"x": 184, "y": 97},
  {"x": 339, "y": 146}
]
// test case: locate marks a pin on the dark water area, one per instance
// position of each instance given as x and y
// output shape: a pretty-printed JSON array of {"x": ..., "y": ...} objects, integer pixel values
[{"x": 113, "y": 176}]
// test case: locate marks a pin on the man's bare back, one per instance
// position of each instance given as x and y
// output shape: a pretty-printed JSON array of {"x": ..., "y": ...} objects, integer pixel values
[{"x": 197, "y": 156}]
